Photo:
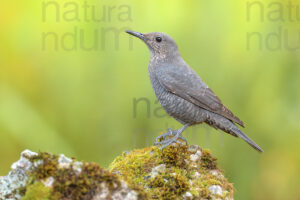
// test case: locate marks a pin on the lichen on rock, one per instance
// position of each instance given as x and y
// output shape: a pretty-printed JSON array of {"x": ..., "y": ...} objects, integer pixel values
[
  {"x": 51, "y": 177},
  {"x": 176, "y": 172}
]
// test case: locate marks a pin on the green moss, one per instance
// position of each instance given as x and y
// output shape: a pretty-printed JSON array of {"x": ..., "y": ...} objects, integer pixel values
[
  {"x": 174, "y": 156},
  {"x": 47, "y": 168},
  {"x": 69, "y": 183},
  {"x": 37, "y": 191},
  {"x": 153, "y": 173},
  {"x": 208, "y": 161},
  {"x": 168, "y": 187},
  {"x": 137, "y": 166},
  {"x": 204, "y": 193}
]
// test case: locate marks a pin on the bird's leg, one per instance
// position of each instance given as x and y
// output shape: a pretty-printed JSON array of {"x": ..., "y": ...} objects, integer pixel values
[{"x": 177, "y": 134}]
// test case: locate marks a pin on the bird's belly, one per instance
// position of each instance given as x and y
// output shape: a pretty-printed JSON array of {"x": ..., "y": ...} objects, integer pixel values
[{"x": 181, "y": 109}]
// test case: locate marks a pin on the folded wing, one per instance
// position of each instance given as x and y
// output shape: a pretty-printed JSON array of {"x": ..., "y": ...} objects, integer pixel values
[{"x": 185, "y": 83}]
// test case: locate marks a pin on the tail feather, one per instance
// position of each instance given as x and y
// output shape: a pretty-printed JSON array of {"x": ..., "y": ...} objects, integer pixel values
[
  {"x": 240, "y": 134},
  {"x": 229, "y": 127}
]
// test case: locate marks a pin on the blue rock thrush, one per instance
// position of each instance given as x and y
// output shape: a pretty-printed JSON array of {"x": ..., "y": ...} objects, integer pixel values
[{"x": 183, "y": 94}]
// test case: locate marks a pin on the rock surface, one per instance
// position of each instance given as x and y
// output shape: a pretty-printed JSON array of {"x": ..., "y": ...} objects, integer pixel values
[{"x": 176, "y": 172}]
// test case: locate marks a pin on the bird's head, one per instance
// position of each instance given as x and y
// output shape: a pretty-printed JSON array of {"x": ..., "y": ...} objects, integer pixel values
[{"x": 159, "y": 44}]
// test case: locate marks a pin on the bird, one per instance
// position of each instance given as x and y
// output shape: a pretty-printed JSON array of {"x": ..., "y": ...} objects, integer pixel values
[{"x": 183, "y": 94}]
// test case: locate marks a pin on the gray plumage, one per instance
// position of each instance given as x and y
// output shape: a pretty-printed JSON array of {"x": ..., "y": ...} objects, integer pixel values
[{"x": 182, "y": 93}]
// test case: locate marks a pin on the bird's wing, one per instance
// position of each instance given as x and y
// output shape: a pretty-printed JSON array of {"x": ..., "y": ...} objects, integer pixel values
[{"x": 184, "y": 82}]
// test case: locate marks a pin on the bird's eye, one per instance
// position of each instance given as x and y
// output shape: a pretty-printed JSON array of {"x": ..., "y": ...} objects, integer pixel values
[{"x": 158, "y": 39}]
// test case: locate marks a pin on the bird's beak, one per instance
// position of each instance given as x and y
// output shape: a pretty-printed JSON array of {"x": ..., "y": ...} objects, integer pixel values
[{"x": 137, "y": 34}]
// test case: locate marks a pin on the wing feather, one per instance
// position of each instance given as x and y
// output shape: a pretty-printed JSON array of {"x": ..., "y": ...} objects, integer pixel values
[{"x": 185, "y": 83}]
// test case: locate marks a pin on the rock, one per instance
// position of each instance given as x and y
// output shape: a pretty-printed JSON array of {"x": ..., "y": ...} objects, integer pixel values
[
  {"x": 46, "y": 176},
  {"x": 158, "y": 170},
  {"x": 176, "y": 172},
  {"x": 215, "y": 189},
  {"x": 196, "y": 156},
  {"x": 17, "y": 177}
]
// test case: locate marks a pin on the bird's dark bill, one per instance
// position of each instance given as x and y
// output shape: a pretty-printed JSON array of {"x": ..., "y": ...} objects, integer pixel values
[{"x": 136, "y": 34}]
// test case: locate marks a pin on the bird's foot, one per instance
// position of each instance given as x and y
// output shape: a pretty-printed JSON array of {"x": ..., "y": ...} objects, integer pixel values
[
  {"x": 172, "y": 136},
  {"x": 169, "y": 133}
]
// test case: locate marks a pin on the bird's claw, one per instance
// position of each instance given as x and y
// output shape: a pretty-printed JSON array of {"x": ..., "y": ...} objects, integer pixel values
[
  {"x": 162, "y": 142},
  {"x": 162, "y": 137}
]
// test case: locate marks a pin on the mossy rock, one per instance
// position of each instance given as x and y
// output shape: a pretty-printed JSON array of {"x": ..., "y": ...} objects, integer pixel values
[
  {"x": 44, "y": 176},
  {"x": 176, "y": 172}
]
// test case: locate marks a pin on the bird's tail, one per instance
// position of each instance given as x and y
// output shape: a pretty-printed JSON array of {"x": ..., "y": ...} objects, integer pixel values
[
  {"x": 228, "y": 126},
  {"x": 240, "y": 134}
]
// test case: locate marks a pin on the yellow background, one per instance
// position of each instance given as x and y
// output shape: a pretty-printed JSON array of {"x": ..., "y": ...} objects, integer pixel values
[{"x": 80, "y": 102}]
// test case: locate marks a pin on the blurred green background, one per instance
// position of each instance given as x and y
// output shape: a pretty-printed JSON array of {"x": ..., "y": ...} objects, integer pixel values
[{"x": 68, "y": 99}]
